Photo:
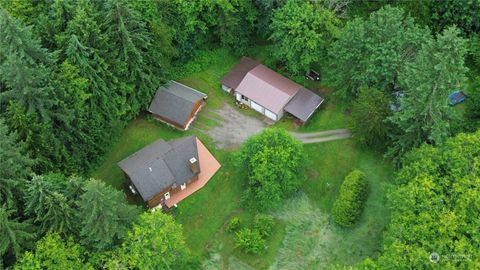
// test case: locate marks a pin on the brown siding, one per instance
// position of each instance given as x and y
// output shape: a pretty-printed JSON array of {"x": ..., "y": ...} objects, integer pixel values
[
  {"x": 196, "y": 107},
  {"x": 177, "y": 125},
  {"x": 159, "y": 197},
  {"x": 194, "y": 111}
]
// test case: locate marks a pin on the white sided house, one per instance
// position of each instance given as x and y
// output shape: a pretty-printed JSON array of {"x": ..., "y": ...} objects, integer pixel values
[{"x": 268, "y": 92}]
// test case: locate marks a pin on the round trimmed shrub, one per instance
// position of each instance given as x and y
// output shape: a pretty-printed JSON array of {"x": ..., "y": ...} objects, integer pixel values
[
  {"x": 250, "y": 241},
  {"x": 350, "y": 202},
  {"x": 263, "y": 224}
]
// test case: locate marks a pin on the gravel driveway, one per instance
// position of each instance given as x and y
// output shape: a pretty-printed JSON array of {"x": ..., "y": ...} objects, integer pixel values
[{"x": 233, "y": 127}]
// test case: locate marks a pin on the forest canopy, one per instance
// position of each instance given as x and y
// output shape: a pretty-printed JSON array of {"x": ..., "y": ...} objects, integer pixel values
[{"x": 74, "y": 74}]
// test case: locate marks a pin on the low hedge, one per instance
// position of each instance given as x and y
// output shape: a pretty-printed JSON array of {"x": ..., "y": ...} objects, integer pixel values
[{"x": 350, "y": 202}]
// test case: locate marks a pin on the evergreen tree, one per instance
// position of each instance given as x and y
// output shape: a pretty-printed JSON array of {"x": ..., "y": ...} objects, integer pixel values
[
  {"x": 425, "y": 115},
  {"x": 15, "y": 236},
  {"x": 37, "y": 137},
  {"x": 104, "y": 215},
  {"x": 369, "y": 113},
  {"x": 48, "y": 206},
  {"x": 131, "y": 42},
  {"x": 14, "y": 167},
  {"x": 24, "y": 68},
  {"x": 84, "y": 46},
  {"x": 53, "y": 21}
]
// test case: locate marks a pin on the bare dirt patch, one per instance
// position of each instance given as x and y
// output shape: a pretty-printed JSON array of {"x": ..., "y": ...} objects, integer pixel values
[{"x": 232, "y": 127}]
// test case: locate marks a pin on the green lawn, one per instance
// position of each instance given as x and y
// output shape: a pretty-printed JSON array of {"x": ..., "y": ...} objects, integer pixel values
[
  {"x": 329, "y": 164},
  {"x": 205, "y": 214}
]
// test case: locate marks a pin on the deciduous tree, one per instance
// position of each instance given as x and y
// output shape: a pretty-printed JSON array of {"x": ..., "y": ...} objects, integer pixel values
[
  {"x": 300, "y": 32},
  {"x": 434, "y": 208},
  {"x": 274, "y": 161},
  {"x": 155, "y": 241},
  {"x": 373, "y": 52},
  {"x": 53, "y": 252}
]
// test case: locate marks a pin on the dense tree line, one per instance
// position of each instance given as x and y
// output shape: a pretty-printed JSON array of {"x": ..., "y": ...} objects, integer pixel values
[
  {"x": 72, "y": 73},
  {"x": 435, "y": 208}
]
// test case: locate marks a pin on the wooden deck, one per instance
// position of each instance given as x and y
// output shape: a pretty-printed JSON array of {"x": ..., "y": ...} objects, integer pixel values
[{"x": 208, "y": 167}]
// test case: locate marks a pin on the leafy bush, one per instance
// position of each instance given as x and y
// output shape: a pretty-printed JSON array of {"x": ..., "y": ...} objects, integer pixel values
[
  {"x": 233, "y": 225},
  {"x": 250, "y": 241},
  {"x": 275, "y": 162},
  {"x": 349, "y": 204},
  {"x": 263, "y": 224}
]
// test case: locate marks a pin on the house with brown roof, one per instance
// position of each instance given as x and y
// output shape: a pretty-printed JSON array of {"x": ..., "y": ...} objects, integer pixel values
[
  {"x": 176, "y": 104},
  {"x": 268, "y": 92},
  {"x": 164, "y": 173}
]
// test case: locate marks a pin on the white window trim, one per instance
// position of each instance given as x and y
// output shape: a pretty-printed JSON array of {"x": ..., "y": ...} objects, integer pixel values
[
  {"x": 183, "y": 186},
  {"x": 166, "y": 195}
]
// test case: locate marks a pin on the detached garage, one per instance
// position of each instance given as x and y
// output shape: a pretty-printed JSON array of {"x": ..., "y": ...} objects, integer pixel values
[{"x": 268, "y": 92}]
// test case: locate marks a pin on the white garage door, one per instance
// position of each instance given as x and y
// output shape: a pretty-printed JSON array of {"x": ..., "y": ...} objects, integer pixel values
[
  {"x": 256, "y": 107},
  {"x": 270, "y": 115}
]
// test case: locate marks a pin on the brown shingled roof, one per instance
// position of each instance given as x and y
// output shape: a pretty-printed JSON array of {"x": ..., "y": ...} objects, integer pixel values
[{"x": 236, "y": 75}]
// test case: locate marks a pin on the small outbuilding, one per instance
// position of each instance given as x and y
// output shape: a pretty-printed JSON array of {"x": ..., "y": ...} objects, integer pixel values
[{"x": 176, "y": 104}]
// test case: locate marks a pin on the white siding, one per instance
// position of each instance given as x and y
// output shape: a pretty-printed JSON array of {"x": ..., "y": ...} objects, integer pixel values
[
  {"x": 226, "y": 88},
  {"x": 238, "y": 96},
  {"x": 257, "y": 107},
  {"x": 270, "y": 115}
]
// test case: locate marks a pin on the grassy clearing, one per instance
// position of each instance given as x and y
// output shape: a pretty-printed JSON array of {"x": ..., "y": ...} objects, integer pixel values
[
  {"x": 205, "y": 214},
  {"x": 329, "y": 164}
]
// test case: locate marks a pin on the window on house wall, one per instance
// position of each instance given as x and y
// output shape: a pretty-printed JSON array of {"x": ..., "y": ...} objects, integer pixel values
[
  {"x": 183, "y": 186},
  {"x": 244, "y": 98},
  {"x": 167, "y": 195}
]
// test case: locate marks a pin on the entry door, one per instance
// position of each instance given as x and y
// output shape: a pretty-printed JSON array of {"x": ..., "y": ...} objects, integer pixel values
[{"x": 167, "y": 195}]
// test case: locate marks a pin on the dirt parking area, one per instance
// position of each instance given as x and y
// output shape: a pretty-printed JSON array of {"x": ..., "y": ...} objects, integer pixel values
[{"x": 232, "y": 127}]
